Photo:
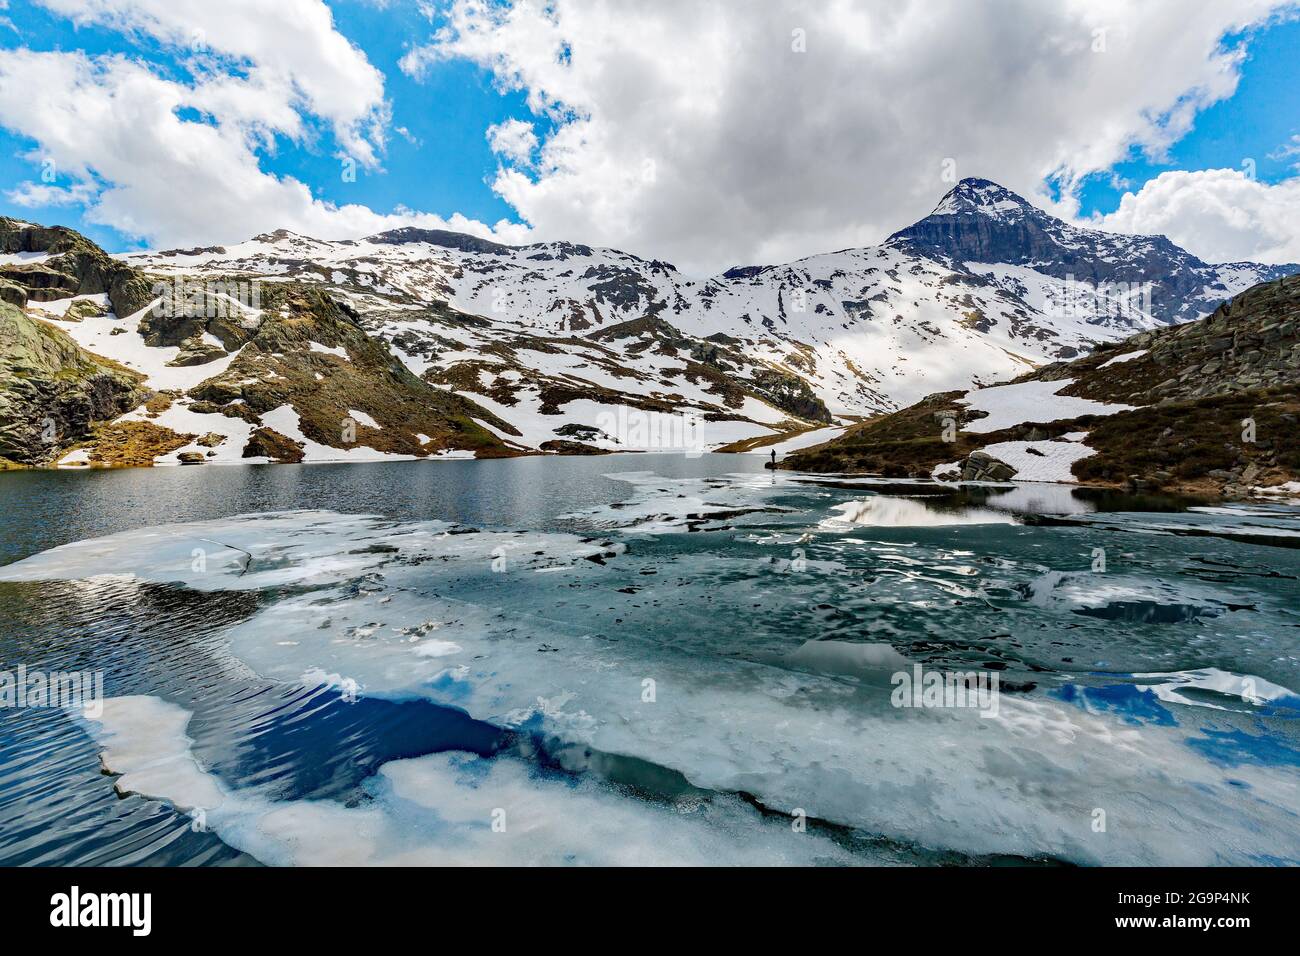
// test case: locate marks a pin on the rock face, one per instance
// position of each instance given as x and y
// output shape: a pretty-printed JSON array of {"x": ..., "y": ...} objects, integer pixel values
[
  {"x": 74, "y": 266},
  {"x": 1217, "y": 410},
  {"x": 980, "y": 221},
  {"x": 52, "y": 392}
]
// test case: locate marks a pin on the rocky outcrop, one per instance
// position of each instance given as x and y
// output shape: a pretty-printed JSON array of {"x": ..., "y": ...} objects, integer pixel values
[
  {"x": 53, "y": 392},
  {"x": 74, "y": 266},
  {"x": 310, "y": 352},
  {"x": 195, "y": 351},
  {"x": 792, "y": 394},
  {"x": 225, "y": 309},
  {"x": 269, "y": 443}
]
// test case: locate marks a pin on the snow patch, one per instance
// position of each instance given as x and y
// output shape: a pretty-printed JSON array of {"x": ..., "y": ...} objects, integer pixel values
[
  {"x": 1034, "y": 401},
  {"x": 1124, "y": 357}
]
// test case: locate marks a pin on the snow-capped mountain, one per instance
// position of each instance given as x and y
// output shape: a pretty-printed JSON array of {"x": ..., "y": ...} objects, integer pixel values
[
  {"x": 565, "y": 347},
  {"x": 985, "y": 287},
  {"x": 980, "y": 223}
]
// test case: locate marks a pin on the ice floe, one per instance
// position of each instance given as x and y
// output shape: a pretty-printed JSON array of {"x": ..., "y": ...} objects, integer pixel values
[
  {"x": 446, "y": 809},
  {"x": 513, "y": 650}
]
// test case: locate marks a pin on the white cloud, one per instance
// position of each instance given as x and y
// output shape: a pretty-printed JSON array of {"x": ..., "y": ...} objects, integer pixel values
[
  {"x": 124, "y": 137},
  {"x": 698, "y": 133},
  {"x": 34, "y": 195},
  {"x": 513, "y": 140},
  {"x": 1288, "y": 150},
  {"x": 1222, "y": 215},
  {"x": 297, "y": 55}
]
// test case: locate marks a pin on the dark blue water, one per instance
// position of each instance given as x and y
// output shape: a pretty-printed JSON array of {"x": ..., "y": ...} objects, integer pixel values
[{"x": 47, "y": 508}]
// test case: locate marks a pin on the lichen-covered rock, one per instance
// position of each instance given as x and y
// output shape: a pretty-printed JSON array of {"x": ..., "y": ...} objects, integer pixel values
[
  {"x": 195, "y": 351},
  {"x": 13, "y": 293},
  {"x": 53, "y": 392},
  {"x": 83, "y": 309}
]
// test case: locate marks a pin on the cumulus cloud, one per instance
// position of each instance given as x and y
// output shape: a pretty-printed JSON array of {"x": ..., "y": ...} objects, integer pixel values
[
  {"x": 35, "y": 195},
  {"x": 706, "y": 134},
  {"x": 177, "y": 162},
  {"x": 1222, "y": 215},
  {"x": 513, "y": 140},
  {"x": 716, "y": 134},
  {"x": 292, "y": 47}
]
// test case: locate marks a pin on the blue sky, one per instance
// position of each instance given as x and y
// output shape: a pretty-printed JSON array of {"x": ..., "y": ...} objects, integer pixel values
[
  {"x": 445, "y": 169},
  {"x": 1255, "y": 123},
  {"x": 652, "y": 140}
]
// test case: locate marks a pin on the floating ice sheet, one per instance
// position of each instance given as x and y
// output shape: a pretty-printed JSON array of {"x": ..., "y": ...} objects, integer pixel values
[
  {"x": 446, "y": 809},
  {"x": 639, "y": 649}
]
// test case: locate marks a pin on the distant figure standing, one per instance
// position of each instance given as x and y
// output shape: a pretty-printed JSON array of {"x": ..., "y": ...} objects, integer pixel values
[{"x": 773, "y": 457}]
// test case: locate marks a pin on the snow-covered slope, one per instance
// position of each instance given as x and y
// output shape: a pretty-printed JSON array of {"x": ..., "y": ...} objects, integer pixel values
[
  {"x": 1206, "y": 408},
  {"x": 983, "y": 289},
  {"x": 567, "y": 348}
]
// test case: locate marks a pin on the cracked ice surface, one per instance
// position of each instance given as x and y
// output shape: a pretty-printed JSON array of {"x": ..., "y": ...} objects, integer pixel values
[{"x": 769, "y": 678}]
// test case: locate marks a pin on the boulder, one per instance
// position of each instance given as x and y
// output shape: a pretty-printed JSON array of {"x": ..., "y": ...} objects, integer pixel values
[
  {"x": 269, "y": 443},
  {"x": 981, "y": 466},
  {"x": 195, "y": 351}
]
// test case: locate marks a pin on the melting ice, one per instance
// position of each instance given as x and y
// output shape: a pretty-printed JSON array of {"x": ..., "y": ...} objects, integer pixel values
[{"x": 740, "y": 633}]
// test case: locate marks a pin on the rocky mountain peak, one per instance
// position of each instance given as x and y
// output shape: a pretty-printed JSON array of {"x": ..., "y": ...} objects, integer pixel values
[
  {"x": 983, "y": 197},
  {"x": 444, "y": 238}
]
